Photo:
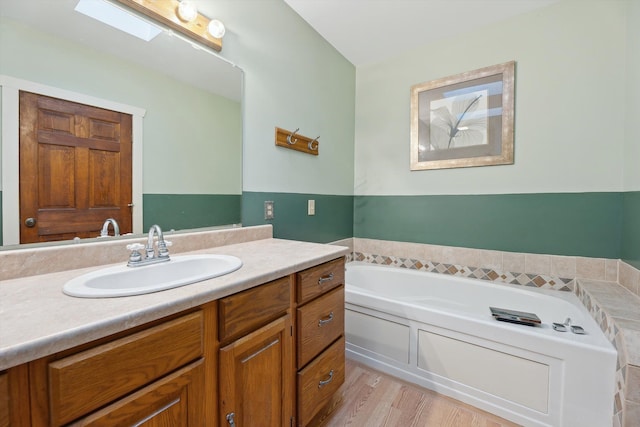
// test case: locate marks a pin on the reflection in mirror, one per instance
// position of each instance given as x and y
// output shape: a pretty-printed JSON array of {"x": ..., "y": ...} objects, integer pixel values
[{"x": 185, "y": 108}]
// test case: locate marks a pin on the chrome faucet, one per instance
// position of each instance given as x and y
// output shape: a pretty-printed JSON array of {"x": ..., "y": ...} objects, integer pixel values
[
  {"x": 105, "y": 227},
  {"x": 163, "y": 252},
  {"x": 136, "y": 259}
]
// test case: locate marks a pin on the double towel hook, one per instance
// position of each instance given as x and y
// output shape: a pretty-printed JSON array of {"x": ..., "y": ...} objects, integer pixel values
[
  {"x": 296, "y": 141},
  {"x": 290, "y": 139}
]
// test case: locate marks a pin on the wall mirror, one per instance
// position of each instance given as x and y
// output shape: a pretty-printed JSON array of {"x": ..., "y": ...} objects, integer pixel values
[{"x": 185, "y": 101}]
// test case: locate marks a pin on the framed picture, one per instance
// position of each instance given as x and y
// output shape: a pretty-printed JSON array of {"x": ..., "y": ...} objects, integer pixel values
[{"x": 463, "y": 120}]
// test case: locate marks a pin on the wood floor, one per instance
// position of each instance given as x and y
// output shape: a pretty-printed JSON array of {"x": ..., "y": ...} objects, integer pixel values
[{"x": 370, "y": 398}]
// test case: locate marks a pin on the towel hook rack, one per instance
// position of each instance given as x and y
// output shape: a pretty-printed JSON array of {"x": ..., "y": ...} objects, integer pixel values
[
  {"x": 290, "y": 139},
  {"x": 295, "y": 141},
  {"x": 313, "y": 145}
]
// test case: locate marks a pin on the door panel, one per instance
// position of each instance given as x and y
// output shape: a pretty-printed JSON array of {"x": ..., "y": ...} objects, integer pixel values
[
  {"x": 75, "y": 168},
  {"x": 256, "y": 377}
]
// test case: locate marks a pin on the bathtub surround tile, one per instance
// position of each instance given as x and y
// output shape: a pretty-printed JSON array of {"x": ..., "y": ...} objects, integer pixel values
[
  {"x": 616, "y": 310},
  {"x": 590, "y": 268},
  {"x": 633, "y": 384},
  {"x": 513, "y": 261},
  {"x": 631, "y": 416},
  {"x": 563, "y": 266},
  {"x": 617, "y": 420},
  {"x": 629, "y": 277},
  {"x": 611, "y": 267},
  {"x": 539, "y": 264},
  {"x": 432, "y": 252},
  {"x": 491, "y": 259}
]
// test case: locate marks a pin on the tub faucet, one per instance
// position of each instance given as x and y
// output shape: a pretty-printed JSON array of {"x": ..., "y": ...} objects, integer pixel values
[{"x": 105, "y": 227}]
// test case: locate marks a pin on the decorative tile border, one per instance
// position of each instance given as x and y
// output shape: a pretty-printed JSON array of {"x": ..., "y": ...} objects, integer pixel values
[
  {"x": 488, "y": 274},
  {"x": 615, "y": 337}
]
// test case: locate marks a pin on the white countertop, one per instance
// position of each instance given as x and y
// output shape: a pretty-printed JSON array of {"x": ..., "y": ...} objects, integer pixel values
[{"x": 37, "y": 319}]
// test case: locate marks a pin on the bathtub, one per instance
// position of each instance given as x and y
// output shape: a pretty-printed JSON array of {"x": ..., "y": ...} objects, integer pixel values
[{"x": 436, "y": 331}]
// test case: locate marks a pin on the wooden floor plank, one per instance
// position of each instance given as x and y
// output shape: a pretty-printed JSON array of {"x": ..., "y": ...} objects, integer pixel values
[{"x": 370, "y": 398}]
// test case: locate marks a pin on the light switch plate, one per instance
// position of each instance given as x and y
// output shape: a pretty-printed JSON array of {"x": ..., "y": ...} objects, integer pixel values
[{"x": 311, "y": 207}]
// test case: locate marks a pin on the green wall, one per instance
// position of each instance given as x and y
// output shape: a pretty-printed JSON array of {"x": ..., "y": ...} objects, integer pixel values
[
  {"x": 630, "y": 251},
  {"x": 333, "y": 219},
  {"x": 576, "y": 224},
  {"x": 181, "y": 211}
]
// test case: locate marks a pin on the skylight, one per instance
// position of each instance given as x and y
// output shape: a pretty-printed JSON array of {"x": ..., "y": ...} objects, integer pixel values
[{"x": 116, "y": 17}]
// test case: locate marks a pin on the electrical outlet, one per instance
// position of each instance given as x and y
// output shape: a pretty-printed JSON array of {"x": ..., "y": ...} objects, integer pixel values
[
  {"x": 311, "y": 207},
  {"x": 268, "y": 209}
]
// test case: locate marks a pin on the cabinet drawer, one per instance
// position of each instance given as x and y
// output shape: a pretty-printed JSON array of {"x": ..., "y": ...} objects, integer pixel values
[
  {"x": 248, "y": 310},
  {"x": 317, "y": 280},
  {"x": 174, "y": 400},
  {"x": 320, "y": 322},
  {"x": 319, "y": 381},
  {"x": 88, "y": 380}
]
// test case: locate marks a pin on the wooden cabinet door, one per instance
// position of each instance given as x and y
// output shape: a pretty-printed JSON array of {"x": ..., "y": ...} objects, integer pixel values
[
  {"x": 75, "y": 169},
  {"x": 175, "y": 400},
  {"x": 4, "y": 400},
  {"x": 256, "y": 378}
]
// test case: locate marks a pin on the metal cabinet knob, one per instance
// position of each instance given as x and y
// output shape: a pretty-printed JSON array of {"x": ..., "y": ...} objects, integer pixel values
[{"x": 30, "y": 222}]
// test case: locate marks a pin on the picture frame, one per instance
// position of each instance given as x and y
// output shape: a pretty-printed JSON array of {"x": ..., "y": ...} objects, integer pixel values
[{"x": 464, "y": 120}]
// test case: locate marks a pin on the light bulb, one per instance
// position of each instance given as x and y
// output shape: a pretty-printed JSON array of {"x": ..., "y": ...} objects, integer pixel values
[
  {"x": 187, "y": 11},
  {"x": 216, "y": 29}
]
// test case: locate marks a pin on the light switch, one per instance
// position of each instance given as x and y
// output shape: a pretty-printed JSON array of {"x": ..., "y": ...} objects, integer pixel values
[{"x": 311, "y": 207}]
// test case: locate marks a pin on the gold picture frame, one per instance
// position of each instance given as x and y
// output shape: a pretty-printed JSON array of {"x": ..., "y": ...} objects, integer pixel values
[{"x": 465, "y": 120}]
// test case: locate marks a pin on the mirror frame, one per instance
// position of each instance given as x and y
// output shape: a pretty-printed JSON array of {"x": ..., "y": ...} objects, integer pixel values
[{"x": 9, "y": 120}]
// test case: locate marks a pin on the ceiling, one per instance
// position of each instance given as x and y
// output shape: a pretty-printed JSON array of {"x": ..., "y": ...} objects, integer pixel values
[{"x": 370, "y": 31}]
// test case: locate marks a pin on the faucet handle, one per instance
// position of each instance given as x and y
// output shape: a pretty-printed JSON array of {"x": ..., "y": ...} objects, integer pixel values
[
  {"x": 135, "y": 246},
  {"x": 162, "y": 248},
  {"x": 135, "y": 256}
]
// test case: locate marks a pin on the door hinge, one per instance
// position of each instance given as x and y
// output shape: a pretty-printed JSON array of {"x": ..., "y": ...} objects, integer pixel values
[{"x": 291, "y": 330}]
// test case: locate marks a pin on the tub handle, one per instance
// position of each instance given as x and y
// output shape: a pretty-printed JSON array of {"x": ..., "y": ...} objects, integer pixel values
[
  {"x": 326, "y": 320},
  {"x": 323, "y": 383},
  {"x": 326, "y": 278}
]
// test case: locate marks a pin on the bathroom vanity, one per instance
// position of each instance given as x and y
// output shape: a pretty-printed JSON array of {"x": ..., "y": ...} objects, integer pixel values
[{"x": 263, "y": 343}]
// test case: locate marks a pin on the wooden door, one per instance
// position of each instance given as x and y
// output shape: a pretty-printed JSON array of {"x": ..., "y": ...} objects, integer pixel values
[
  {"x": 75, "y": 169},
  {"x": 256, "y": 378}
]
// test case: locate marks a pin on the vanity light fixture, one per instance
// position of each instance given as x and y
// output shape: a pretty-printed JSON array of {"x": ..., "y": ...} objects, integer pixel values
[{"x": 168, "y": 12}]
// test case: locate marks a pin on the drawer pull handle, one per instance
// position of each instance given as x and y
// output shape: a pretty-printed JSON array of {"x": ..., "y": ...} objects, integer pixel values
[
  {"x": 323, "y": 383},
  {"x": 326, "y": 320},
  {"x": 327, "y": 278}
]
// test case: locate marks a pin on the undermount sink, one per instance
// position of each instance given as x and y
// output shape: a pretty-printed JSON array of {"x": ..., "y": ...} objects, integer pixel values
[{"x": 123, "y": 281}]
